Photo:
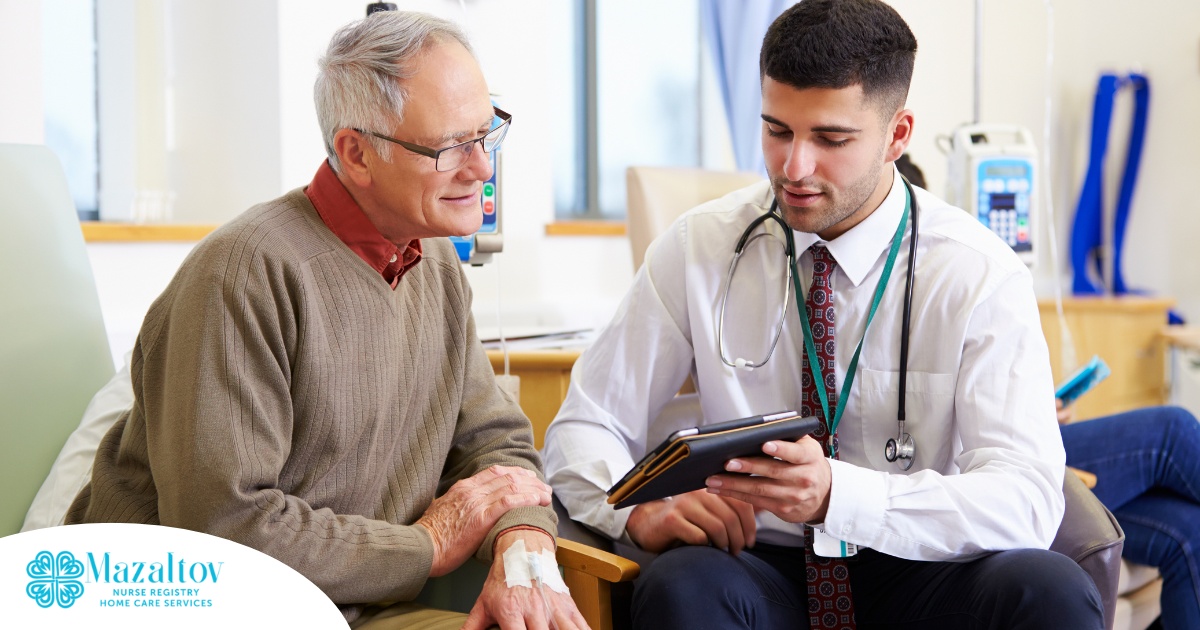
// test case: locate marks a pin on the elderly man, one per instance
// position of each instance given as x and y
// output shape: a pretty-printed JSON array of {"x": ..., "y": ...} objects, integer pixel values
[{"x": 310, "y": 384}]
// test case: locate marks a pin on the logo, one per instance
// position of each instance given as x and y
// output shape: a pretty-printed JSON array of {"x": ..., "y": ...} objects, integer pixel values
[
  {"x": 150, "y": 576},
  {"x": 55, "y": 579}
]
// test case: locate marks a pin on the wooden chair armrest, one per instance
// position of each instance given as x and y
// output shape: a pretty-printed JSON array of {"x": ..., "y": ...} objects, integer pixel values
[
  {"x": 1086, "y": 477},
  {"x": 609, "y": 567},
  {"x": 590, "y": 574}
]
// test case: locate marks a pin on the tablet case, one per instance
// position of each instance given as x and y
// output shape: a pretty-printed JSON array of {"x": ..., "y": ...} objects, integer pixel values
[{"x": 681, "y": 464}]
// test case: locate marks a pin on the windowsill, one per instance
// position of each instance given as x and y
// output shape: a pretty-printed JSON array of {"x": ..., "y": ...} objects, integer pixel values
[
  {"x": 107, "y": 232},
  {"x": 586, "y": 228}
]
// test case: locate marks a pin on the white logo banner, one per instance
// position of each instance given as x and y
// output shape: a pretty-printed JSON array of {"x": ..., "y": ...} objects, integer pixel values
[{"x": 149, "y": 576}]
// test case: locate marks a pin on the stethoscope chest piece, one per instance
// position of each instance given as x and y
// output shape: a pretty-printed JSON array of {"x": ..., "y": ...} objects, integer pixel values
[{"x": 900, "y": 449}]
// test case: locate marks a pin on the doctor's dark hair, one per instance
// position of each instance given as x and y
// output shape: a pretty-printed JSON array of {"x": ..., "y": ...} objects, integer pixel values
[
  {"x": 839, "y": 43},
  {"x": 361, "y": 79}
]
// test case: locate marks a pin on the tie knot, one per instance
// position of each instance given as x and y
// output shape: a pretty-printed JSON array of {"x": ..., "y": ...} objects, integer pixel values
[{"x": 823, "y": 261}]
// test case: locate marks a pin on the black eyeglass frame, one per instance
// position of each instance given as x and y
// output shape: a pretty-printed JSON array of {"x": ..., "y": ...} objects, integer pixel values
[{"x": 505, "y": 120}]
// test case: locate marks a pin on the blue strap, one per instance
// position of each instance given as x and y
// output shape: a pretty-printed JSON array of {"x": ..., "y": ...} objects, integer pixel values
[
  {"x": 1137, "y": 139},
  {"x": 1086, "y": 233},
  {"x": 1086, "y": 236}
]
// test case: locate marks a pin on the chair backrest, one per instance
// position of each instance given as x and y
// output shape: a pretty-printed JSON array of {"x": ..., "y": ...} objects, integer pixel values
[
  {"x": 54, "y": 352},
  {"x": 656, "y": 196}
]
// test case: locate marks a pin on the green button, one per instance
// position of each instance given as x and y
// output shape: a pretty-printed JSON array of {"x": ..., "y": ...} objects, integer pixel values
[{"x": 488, "y": 190}]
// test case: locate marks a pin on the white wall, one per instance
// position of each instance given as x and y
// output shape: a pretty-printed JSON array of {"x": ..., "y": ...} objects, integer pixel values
[
  {"x": 21, "y": 118},
  {"x": 264, "y": 140}
]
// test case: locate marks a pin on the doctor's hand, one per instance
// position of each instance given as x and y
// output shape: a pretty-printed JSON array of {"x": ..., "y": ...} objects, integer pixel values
[
  {"x": 694, "y": 518},
  {"x": 459, "y": 520},
  {"x": 522, "y": 606},
  {"x": 793, "y": 481}
]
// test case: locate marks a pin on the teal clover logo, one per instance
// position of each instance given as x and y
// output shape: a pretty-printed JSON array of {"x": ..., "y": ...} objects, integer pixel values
[{"x": 55, "y": 579}]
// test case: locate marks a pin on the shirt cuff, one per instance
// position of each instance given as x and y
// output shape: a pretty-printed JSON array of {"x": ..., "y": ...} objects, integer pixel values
[{"x": 857, "y": 499}]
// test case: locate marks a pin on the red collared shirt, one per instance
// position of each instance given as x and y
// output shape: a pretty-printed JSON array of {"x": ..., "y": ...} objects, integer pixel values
[{"x": 346, "y": 220}]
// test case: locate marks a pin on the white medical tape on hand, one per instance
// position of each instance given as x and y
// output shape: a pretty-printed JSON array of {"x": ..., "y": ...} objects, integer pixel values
[{"x": 523, "y": 568}]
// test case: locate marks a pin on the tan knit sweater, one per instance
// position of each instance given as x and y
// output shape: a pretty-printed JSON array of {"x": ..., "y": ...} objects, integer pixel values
[{"x": 288, "y": 399}]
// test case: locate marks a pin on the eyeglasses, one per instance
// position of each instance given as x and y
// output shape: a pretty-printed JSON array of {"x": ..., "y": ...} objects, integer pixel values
[{"x": 452, "y": 157}]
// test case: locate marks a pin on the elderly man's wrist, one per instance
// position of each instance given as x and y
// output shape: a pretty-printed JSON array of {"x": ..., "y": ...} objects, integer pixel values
[{"x": 532, "y": 529}]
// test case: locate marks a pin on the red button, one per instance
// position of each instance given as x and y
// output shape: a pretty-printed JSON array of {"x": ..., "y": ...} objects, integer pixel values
[{"x": 489, "y": 207}]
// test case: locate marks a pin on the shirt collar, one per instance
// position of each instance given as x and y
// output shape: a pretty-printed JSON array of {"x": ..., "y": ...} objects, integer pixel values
[
  {"x": 858, "y": 249},
  {"x": 343, "y": 216}
]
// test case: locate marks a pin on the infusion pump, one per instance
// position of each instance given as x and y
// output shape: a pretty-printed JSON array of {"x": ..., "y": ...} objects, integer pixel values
[
  {"x": 478, "y": 248},
  {"x": 993, "y": 175}
]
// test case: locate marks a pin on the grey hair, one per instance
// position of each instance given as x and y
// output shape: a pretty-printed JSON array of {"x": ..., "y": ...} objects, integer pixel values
[{"x": 360, "y": 80}]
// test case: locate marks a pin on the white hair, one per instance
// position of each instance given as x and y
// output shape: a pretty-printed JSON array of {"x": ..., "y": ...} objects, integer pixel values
[{"x": 360, "y": 80}]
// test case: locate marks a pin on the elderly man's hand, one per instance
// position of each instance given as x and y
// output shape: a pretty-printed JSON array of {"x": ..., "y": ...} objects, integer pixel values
[
  {"x": 522, "y": 607},
  {"x": 459, "y": 520},
  {"x": 694, "y": 518},
  {"x": 792, "y": 482}
]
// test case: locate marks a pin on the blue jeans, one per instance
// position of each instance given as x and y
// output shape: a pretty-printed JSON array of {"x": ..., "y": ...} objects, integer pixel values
[{"x": 1147, "y": 464}]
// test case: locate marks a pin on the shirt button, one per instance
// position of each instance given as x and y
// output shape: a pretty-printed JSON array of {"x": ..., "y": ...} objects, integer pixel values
[
  {"x": 847, "y": 528},
  {"x": 393, "y": 259}
]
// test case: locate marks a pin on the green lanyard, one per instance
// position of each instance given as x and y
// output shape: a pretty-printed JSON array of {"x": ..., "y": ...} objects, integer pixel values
[{"x": 814, "y": 364}]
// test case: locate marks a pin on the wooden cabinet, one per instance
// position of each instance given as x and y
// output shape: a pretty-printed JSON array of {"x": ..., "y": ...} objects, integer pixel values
[
  {"x": 544, "y": 375},
  {"x": 1127, "y": 333}
]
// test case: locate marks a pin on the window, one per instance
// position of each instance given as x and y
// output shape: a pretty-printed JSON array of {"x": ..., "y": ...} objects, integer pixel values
[
  {"x": 638, "y": 95},
  {"x": 69, "y": 96}
]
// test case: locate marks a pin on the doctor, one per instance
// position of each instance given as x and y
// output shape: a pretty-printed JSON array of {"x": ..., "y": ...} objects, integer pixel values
[{"x": 957, "y": 541}]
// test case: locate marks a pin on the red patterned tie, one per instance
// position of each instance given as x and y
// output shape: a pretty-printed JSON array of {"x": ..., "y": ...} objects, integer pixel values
[{"x": 829, "y": 602}]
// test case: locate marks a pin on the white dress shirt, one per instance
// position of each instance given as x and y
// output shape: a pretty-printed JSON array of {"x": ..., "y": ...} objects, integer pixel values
[{"x": 980, "y": 399}]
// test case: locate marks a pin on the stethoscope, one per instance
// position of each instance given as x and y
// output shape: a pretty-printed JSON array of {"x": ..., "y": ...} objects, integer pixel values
[{"x": 900, "y": 449}]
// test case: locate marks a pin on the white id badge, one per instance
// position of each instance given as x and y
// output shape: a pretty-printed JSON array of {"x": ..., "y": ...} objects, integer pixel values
[{"x": 827, "y": 546}]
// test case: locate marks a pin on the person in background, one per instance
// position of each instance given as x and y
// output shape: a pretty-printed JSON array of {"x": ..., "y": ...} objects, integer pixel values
[
  {"x": 1147, "y": 467},
  {"x": 310, "y": 384},
  {"x": 960, "y": 540}
]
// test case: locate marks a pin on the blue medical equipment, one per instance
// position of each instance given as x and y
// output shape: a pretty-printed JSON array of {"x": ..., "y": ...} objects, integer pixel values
[
  {"x": 478, "y": 248},
  {"x": 993, "y": 175},
  {"x": 1087, "y": 235}
]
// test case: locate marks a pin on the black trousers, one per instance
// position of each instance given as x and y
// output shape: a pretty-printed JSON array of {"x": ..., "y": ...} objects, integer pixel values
[{"x": 764, "y": 587}]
